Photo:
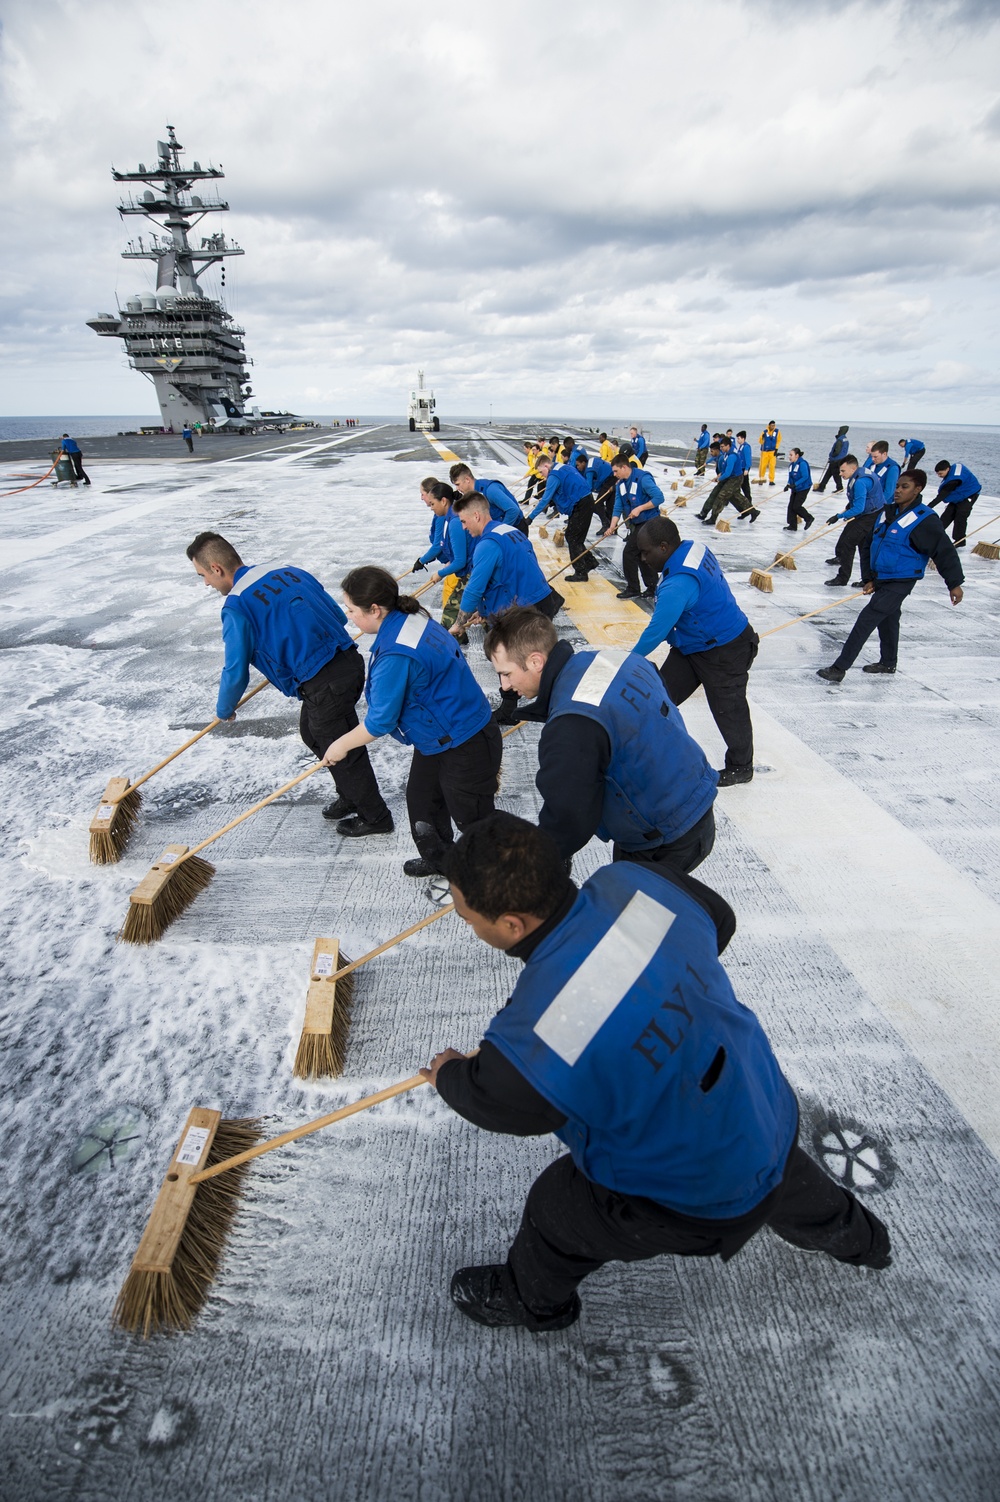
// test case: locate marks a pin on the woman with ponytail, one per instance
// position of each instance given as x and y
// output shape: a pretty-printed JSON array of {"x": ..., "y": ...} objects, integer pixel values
[{"x": 421, "y": 691}]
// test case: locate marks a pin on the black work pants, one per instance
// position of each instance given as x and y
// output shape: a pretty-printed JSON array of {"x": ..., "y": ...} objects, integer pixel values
[
  {"x": 328, "y": 700},
  {"x": 457, "y": 785},
  {"x": 190, "y": 445},
  {"x": 571, "y": 1227},
  {"x": 881, "y": 614},
  {"x": 956, "y": 515},
  {"x": 78, "y": 470},
  {"x": 832, "y": 473},
  {"x": 604, "y": 502},
  {"x": 682, "y": 854},
  {"x": 745, "y": 486},
  {"x": 797, "y": 508},
  {"x": 723, "y": 672},
  {"x": 632, "y": 564},
  {"x": 914, "y": 460},
  {"x": 533, "y": 480},
  {"x": 857, "y": 534},
  {"x": 577, "y": 527}
]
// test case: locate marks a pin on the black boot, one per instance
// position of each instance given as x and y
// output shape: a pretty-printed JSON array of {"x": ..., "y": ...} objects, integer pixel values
[
  {"x": 356, "y": 827},
  {"x": 339, "y": 808},
  {"x": 489, "y": 1296},
  {"x": 730, "y": 776}
]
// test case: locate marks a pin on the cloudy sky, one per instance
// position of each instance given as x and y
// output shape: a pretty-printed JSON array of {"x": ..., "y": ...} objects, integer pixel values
[{"x": 645, "y": 208}]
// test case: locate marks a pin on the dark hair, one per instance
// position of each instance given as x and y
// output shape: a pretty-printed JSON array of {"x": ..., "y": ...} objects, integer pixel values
[
  {"x": 942, "y": 464},
  {"x": 520, "y": 630},
  {"x": 881, "y": 445},
  {"x": 742, "y": 433},
  {"x": 474, "y": 498},
  {"x": 771, "y": 422},
  {"x": 918, "y": 476},
  {"x": 457, "y": 470},
  {"x": 849, "y": 459},
  {"x": 621, "y": 461},
  {"x": 367, "y": 586},
  {"x": 725, "y": 439},
  {"x": 212, "y": 547},
  {"x": 796, "y": 451},
  {"x": 506, "y": 865},
  {"x": 714, "y": 445},
  {"x": 543, "y": 459},
  {"x": 429, "y": 483},
  {"x": 554, "y": 438},
  {"x": 442, "y": 492},
  {"x": 602, "y": 436},
  {"x": 660, "y": 530}
]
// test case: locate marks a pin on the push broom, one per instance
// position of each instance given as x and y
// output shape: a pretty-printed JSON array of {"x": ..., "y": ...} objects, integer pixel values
[
  {"x": 986, "y": 549},
  {"x": 182, "y": 1245},
  {"x": 118, "y": 811},
  {"x": 323, "y": 1044},
  {"x": 761, "y": 578}
]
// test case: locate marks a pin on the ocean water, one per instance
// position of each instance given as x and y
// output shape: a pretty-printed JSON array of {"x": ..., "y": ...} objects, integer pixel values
[{"x": 79, "y": 427}]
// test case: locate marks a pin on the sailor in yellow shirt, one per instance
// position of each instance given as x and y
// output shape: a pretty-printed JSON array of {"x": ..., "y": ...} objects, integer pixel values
[
  {"x": 534, "y": 477},
  {"x": 770, "y": 442},
  {"x": 608, "y": 448}
]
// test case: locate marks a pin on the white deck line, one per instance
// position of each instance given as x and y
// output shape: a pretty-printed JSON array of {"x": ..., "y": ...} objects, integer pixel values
[{"x": 919, "y": 937}]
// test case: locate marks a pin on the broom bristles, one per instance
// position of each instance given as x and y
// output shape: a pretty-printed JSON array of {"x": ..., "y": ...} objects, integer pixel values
[
  {"x": 146, "y": 922},
  {"x": 722, "y": 526},
  {"x": 987, "y": 550},
  {"x": 322, "y": 1054},
  {"x": 107, "y": 844},
  {"x": 153, "y": 1301},
  {"x": 559, "y": 538},
  {"x": 762, "y": 580}
]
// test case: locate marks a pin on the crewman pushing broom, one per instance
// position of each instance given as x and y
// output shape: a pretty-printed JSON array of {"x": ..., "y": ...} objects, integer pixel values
[
  {"x": 281, "y": 619},
  {"x": 624, "y": 1038}
]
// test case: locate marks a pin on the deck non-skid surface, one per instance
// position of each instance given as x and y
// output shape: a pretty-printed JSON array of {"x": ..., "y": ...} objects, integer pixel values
[{"x": 328, "y": 1361}]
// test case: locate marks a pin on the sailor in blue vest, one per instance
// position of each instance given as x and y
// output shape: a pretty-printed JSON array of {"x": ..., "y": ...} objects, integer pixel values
[
  {"x": 838, "y": 453},
  {"x": 701, "y": 444},
  {"x": 913, "y": 451},
  {"x": 614, "y": 758},
  {"x": 712, "y": 644},
  {"x": 907, "y": 533},
  {"x": 637, "y": 498},
  {"x": 865, "y": 500},
  {"x": 639, "y": 446},
  {"x": 503, "y": 505},
  {"x": 421, "y": 691},
  {"x": 728, "y": 489},
  {"x": 601, "y": 478},
  {"x": 505, "y": 572},
  {"x": 624, "y": 1038},
  {"x": 744, "y": 453},
  {"x": 282, "y": 621},
  {"x": 450, "y": 545},
  {"x": 960, "y": 489},
  {"x": 885, "y": 468},
  {"x": 799, "y": 484},
  {"x": 568, "y": 489}
]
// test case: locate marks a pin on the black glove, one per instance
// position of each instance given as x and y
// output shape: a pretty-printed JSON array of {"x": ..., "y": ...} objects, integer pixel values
[
  {"x": 831, "y": 519},
  {"x": 418, "y": 566}
]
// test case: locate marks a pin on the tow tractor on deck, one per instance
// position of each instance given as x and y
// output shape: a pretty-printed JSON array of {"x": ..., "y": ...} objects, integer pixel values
[{"x": 422, "y": 406}]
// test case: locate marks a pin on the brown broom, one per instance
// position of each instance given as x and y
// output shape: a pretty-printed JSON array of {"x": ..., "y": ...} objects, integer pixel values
[
  {"x": 175, "y": 880},
  {"x": 118, "y": 811},
  {"x": 323, "y": 1044},
  {"x": 181, "y": 1247},
  {"x": 761, "y": 578},
  {"x": 986, "y": 549}
]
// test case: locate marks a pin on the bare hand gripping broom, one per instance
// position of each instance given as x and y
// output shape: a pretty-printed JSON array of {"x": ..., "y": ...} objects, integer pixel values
[
  {"x": 179, "y": 1253},
  {"x": 117, "y": 813}
]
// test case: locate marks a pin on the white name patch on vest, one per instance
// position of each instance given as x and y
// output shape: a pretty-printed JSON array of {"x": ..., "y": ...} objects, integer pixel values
[
  {"x": 503, "y": 527},
  {"x": 250, "y": 577},
  {"x": 586, "y": 1001},
  {"x": 412, "y": 630},
  {"x": 906, "y": 521},
  {"x": 599, "y": 677},
  {"x": 696, "y": 553}
]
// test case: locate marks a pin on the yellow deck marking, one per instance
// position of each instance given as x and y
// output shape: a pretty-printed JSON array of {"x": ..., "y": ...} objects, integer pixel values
[
  {"x": 594, "y": 607},
  {"x": 443, "y": 453}
]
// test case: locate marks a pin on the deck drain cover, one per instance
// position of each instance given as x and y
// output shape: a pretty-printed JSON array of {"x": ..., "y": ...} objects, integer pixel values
[{"x": 110, "y": 1141}]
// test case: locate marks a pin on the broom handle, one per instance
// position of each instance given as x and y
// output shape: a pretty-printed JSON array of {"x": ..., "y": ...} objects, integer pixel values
[
  {"x": 842, "y": 601},
  {"x": 168, "y": 759},
  {"x": 814, "y": 538},
  {"x": 983, "y": 527},
  {"x": 278, "y": 793},
  {"x": 550, "y": 577},
  {"x": 364, "y": 1104},
  {"x": 391, "y": 943}
]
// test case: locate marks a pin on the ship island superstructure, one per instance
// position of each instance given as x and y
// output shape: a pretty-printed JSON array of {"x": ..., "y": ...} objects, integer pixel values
[{"x": 185, "y": 342}]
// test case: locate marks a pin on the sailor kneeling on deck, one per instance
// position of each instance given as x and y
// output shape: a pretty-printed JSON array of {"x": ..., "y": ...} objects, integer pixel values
[
  {"x": 282, "y": 621},
  {"x": 421, "y": 691},
  {"x": 623, "y": 1037},
  {"x": 614, "y": 758}
]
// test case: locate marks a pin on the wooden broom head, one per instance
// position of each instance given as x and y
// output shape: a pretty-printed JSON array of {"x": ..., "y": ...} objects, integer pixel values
[
  {"x": 179, "y": 1253},
  {"x": 987, "y": 550},
  {"x": 170, "y": 886},
  {"x": 782, "y": 560},
  {"x": 683, "y": 471},
  {"x": 543, "y": 530},
  {"x": 761, "y": 579},
  {"x": 688, "y": 484},
  {"x": 322, "y": 1049},
  {"x": 681, "y": 501},
  {"x": 559, "y": 538},
  {"x": 112, "y": 825},
  {"x": 722, "y": 526},
  {"x": 675, "y": 485}
]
